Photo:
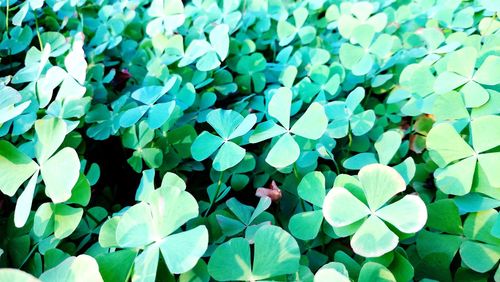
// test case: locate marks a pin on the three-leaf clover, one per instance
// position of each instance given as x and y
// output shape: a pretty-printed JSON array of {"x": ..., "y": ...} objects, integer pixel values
[
  {"x": 60, "y": 171},
  {"x": 362, "y": 208},
  {"x": 306, "y": 225},
  {"x": 247, "y": 217},
  {"x": 360, "y": 59},
  {"x": 167, "y": 16},
  {"x": 349, "y": 114},
  {"x": 8, "y": 108},
  {"x": 152, "y": 225},
  {"x": 461, "y": 72},
  {"x": 287, "y": 32},
  {"x": 359, "y": 13},
  {"x": 311, "y": 125},
  {"x": 457, "y": 160},
  {"x": 209, "y": 55},
  {"x": 275, "y": 253},
  {"x": 157, "y": 113},
  {"x": 229, "y": 125}
]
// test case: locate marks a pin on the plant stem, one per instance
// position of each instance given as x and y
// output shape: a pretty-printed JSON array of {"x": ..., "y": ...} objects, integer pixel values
[
  {"x": 219, "y": 182},
  {"x": 38, "y": 32}
]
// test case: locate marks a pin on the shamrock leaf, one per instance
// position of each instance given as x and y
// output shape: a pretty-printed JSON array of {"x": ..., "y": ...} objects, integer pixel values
[
  {"x": 209, "y": 54},
  {"x": 229, "y": 125},
  {"x": 478, "y": 247},
  {"x": 231, "y": 261},
  {"x": 59, "y": 171},
  {"x": 361, "y": 59},
  {"x": 152, "y": 224},
  {"x": 70, "y": 81},
  {"x": 333, "y": 271},
  {"x": 80, "y": 268},
  {"x": 157, "y": 113},
  {"x": 251, "y": 68},
  {"x": 365, "y": 209},
  {"x": 461, "y": 72},
  {"x": 306, "y": 225},
  {"x": 458, "y": 162},
  {"x": 8, "y": 108},
  {"x": 167, "y": 16},
  {"x": 311, "y": 125},
  {"x": 348, "y": 114},
  {"x": 360, "y": 13},
  {"x": 287, "y": 32},
  {"x": 246, "y": 216},
  {"x": 139, "y": 138}
]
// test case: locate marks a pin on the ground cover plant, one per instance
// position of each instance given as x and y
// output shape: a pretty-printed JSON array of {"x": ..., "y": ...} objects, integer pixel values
[{"x": 249, "y": 140}]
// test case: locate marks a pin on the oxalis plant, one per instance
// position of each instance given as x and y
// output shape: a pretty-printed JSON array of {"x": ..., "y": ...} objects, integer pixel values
[{"x": 255, "y": 140}]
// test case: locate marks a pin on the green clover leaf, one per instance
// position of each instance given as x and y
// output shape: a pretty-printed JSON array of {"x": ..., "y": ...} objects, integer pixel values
[
  {"x": 461, "y": 72},
  {"x": 348, "y": 114},
  {"x": 229, "y": 125},
  {"x": 151, "y": 225},
  {"x": 306, "y": 225},
  {"x": 458, "y": 161},
  {"x": 311, "y": 125},
  {"x": 232, "y": 260},
  {"x": 379, "y": 183}
]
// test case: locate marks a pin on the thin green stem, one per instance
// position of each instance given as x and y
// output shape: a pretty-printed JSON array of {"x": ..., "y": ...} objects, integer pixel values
[
  {"x": 38, "y": 33},
  {"x": 7, "y": 17},
  {"x": 212, "y": 201}
]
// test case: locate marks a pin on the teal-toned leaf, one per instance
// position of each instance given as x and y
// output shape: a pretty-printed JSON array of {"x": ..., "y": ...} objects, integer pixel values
[
  {"x": 228, "y": 156},
  {"x": 182, "y": 251},
  {"x": 80, "y": 268},
  {"x": 312, "y": 188},
  {"x": 205, "y": 145},
  {"x": 373, "y": 238},
  {"x": 231, "y": 261},
  {"x": 380, "y": 183},
  {"x": 306, "y": 225},
  {"x": 15, "y": 168},
  {"x": 341, "y": 208},
  {"x": 23, "y": 205},
  {"x": 409, "y": 214},
  {"x": 279, "y": 106},
  {"x": 438, "y": 143},
  {"x": 60, "y": 174},
  {"x": 66, "y": 219},
  {"x": 487, "y": 74},
  {"x": 312, "y": 124},
  {"x": 387, "y": 145},
  {"x": 372, "y": 271},
  {"x": 272, "y": 242},
  {"x": 284, "y": 153}
]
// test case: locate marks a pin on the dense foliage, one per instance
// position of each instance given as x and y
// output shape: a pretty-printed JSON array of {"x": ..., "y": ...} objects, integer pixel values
[{"x": 249, "y": 140}]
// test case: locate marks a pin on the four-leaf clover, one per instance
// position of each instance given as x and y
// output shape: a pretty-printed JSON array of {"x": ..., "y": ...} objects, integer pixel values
[{"x": 362, "y": 209}]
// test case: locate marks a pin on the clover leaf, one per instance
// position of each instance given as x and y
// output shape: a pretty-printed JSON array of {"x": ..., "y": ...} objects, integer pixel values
[
  {"x": 311, "y": 125},
  {"x": 287, "y": 32},
  {"x": 306, "y": 225},
  {"x": 59, "y": 171},
  {"x": 361, "y": 59},
  {"x": 458, "y": 161},
  {"x": 360, "y": 13},
  {"x": 229, "y": 125},
  {"x": 461, "y": 72},
  {"x": 167, "y": 16},
  {"x": 209, "y": 55},
  {"x": 231, "y": 261},
  {"x": 246, "y": 216},
  {"x": 363, "y": 209},
  {"x": 476, "y": 242},
  {"x": 157, "y": 113},
  {"x": 8, "y": 108},
  {"x": 348, "y": 114},
  {"x": 153, "y": 226}
]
